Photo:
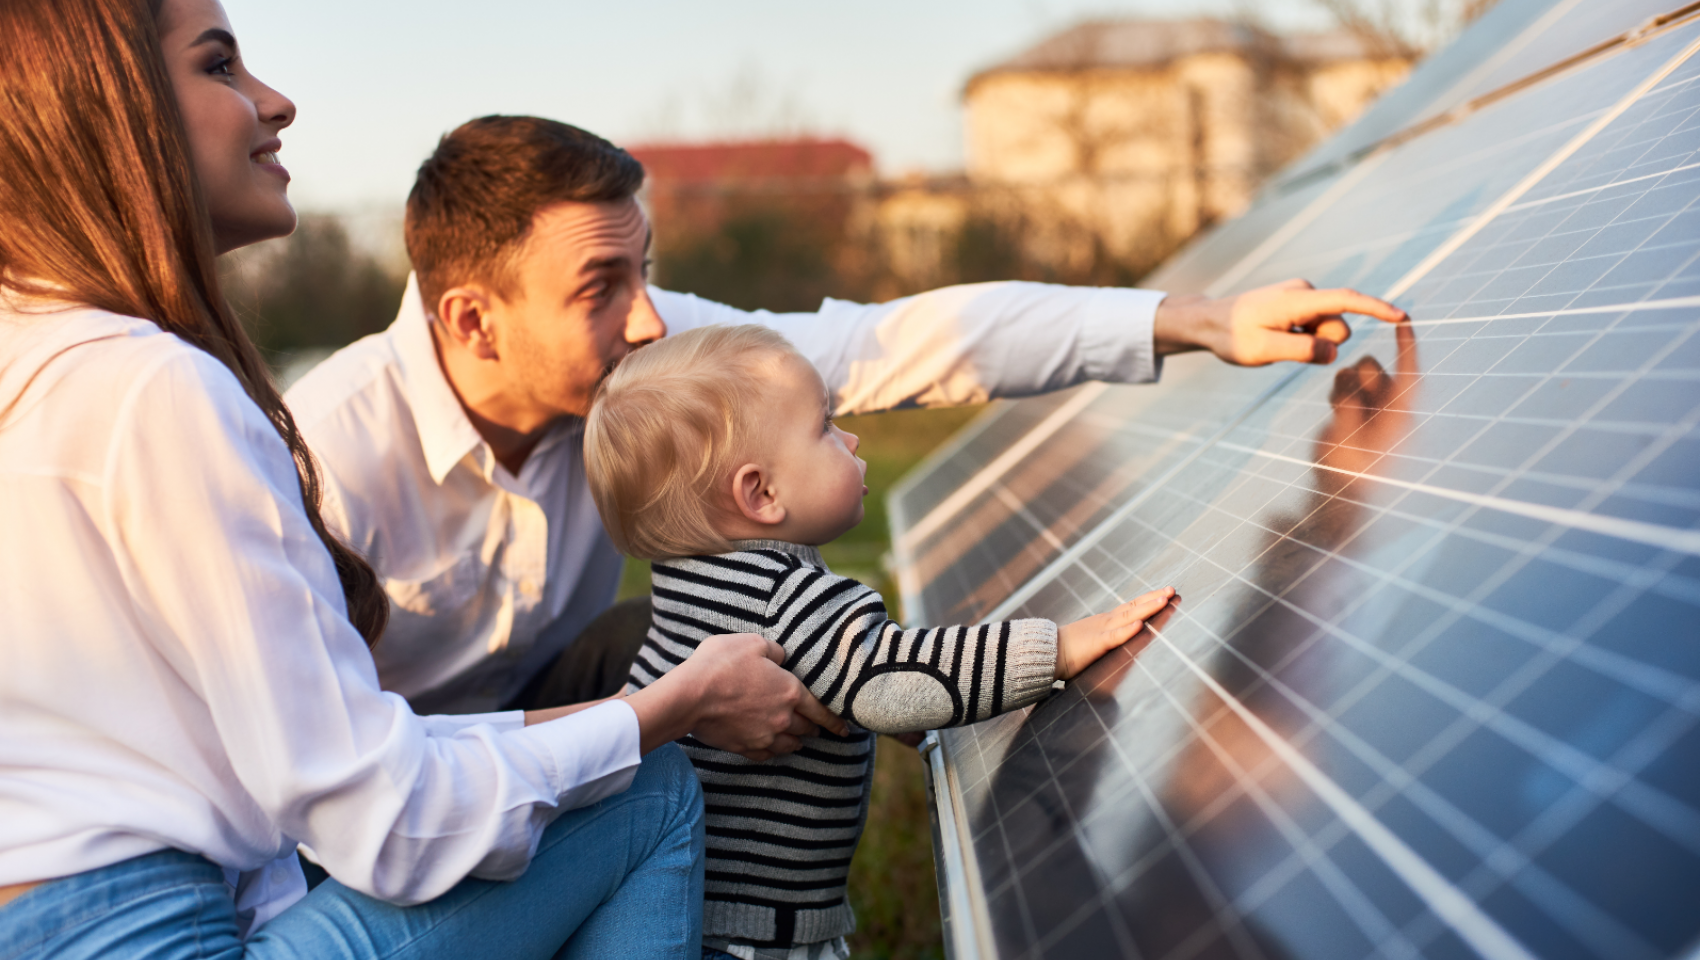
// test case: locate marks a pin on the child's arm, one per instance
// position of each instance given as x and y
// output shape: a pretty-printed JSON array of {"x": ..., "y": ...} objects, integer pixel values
[{"x": 868, "y": 669}]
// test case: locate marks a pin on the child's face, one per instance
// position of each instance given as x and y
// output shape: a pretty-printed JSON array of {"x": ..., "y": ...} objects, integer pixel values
[{"x": 815, "y": 472}]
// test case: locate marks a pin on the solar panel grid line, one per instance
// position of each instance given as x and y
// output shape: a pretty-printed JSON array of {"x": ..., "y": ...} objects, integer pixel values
[
  {"x": 988, "y": 474},
  {"x": 1652, "y": 534},
  {"x": 1671, "y": 303},
  {"x": 951, "y": 448},
  {"x": 1360, "y": 171}
]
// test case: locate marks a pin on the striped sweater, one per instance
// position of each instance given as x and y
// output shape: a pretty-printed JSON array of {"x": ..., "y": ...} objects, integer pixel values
[{"x": 781, "y": 833}]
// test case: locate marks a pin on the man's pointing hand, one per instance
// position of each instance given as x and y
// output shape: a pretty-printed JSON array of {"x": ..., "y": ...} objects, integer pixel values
[{"x": 1286, "y": 321}]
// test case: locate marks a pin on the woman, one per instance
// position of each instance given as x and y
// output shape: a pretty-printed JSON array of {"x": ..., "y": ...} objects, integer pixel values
[{"x": 185, "y": 691}]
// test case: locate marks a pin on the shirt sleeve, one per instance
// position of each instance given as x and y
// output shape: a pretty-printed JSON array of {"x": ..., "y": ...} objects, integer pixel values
[
  {"x": 229, "y": 581},
  {"x": 957, "y": 345},
  {"x": 868, "y": 669}
]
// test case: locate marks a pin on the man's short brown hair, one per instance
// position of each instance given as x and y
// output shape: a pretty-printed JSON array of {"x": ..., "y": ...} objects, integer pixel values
[{"x": 475, "y": 197}]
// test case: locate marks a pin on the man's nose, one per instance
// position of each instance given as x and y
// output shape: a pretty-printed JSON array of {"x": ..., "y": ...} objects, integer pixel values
[{"x": 644, "y": 323}]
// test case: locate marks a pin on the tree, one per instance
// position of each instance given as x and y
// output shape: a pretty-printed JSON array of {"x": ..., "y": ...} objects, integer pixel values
[{"x": 313, "y": 289}]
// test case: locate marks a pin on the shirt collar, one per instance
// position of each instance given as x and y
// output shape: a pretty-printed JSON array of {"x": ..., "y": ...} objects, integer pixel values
[{"x": 444, "y": 431}]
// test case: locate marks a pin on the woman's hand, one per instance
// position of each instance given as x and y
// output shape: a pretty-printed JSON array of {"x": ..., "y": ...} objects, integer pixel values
[
  {"x": 1083, "y": 641},
  {"x": 1286, "y": 321},
  {"x": 732, "y": 694}
]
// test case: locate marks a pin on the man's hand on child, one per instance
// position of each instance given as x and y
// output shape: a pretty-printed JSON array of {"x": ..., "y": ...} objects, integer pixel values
[{"x": 1083, "y": 641}]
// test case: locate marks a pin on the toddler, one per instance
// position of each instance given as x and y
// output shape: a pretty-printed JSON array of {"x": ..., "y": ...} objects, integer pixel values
[{"x": 714, "y": 454}]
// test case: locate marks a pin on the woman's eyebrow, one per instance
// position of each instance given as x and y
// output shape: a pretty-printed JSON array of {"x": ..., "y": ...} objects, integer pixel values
[{"x": 215, "y": 35}]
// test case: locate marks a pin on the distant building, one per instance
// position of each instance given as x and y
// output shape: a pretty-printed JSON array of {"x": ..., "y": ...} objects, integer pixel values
[
  {"x": 1122, "y": 138},
  {"x": 693, "y": 187}
]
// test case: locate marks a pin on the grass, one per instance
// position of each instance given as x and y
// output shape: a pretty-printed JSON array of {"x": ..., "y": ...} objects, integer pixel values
[{"x": 892, "y": 884}]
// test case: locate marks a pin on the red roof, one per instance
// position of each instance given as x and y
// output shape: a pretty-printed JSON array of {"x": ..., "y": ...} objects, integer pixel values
[{"x": 805, "y": 157}]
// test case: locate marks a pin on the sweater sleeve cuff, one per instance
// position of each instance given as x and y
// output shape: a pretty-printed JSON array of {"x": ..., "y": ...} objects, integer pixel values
[
  {"x": 1030, "y": 663},
  {"x": 1119, "y": 335}
]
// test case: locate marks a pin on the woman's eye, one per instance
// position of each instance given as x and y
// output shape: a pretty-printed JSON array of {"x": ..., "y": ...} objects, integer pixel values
[{"x": 222, "y": 67}]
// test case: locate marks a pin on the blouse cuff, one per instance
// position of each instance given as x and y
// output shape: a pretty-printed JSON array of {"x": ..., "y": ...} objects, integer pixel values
[
  {"x": 449, "y": 724},
  {"x": 1119, "y": 335},
  {"x": 595, "y": 753}
]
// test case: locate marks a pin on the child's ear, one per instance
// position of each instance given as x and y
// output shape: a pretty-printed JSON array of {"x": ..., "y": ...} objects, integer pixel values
[{"x": 754, "y": 497}]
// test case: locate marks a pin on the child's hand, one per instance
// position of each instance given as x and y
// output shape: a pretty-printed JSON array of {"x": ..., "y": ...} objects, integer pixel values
[{"x": 1083, "y": 641}]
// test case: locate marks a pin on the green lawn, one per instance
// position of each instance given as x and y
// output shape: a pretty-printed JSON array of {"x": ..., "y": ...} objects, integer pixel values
[{"x": 892, "y": 885}]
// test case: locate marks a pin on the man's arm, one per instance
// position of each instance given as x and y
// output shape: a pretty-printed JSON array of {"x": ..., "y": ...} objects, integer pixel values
[{"x": 971, "y": 343}]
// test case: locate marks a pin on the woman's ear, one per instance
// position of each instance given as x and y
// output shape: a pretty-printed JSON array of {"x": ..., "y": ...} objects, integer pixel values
[
  {"x": 754, "y": 496},
  {"x": 466, "y": 317}
]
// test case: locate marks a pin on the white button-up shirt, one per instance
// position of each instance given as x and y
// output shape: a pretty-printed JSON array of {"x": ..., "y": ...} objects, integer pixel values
[
  {"x": 490, "y": 575},
  {"x": 177, "y": 669}
]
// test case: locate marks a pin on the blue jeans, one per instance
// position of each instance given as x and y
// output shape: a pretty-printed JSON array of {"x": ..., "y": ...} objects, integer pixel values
[{"x": 620, "y": 878}]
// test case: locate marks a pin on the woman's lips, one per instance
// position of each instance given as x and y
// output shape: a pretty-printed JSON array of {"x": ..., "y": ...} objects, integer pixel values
[{"x": 267, "y": 161}]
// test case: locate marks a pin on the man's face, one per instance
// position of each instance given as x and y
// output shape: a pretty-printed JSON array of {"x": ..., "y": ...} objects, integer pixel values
[{"x": 581, "y": 304}]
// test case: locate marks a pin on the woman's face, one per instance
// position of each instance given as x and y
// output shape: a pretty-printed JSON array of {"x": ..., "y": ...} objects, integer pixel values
[{"x": 233, "y": 121}]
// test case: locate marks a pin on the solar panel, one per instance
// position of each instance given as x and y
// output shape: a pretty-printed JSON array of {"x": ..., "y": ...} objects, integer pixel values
[{"x": 1433, "y": 685}]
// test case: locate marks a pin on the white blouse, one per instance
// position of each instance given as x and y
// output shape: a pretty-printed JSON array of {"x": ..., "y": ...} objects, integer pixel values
[{"x": 176, "y": 664}]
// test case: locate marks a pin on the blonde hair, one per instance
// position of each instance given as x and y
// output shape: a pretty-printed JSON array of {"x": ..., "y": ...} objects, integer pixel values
[{"x": 664, "y": 431}]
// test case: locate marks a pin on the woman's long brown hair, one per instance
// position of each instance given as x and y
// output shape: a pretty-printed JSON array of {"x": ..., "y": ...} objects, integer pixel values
[{"x": 99, "y": 204}]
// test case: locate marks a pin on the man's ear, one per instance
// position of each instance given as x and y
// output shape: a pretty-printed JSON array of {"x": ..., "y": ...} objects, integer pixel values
[
  {"x": 755, "y": 497},
  {"x": 468, "y": 318}
]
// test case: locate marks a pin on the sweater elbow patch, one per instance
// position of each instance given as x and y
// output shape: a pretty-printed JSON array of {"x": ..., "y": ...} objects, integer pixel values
[{"x": 902, "y": 702}]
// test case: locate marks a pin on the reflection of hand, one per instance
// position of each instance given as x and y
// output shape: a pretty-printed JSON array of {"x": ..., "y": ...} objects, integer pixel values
[
  {"x": 732, "y": 693},
  {"x": 1083, "y": 641},
  {"x": 1286, "y": 321},
  {"x": 1372, "y": 409}
]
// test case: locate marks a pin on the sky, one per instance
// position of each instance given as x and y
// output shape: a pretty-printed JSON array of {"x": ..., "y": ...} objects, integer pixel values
[{"x": 377, "y": 83}]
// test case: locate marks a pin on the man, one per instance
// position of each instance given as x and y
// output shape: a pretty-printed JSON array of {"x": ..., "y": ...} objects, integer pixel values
[{"x": 451, "y": 443}]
